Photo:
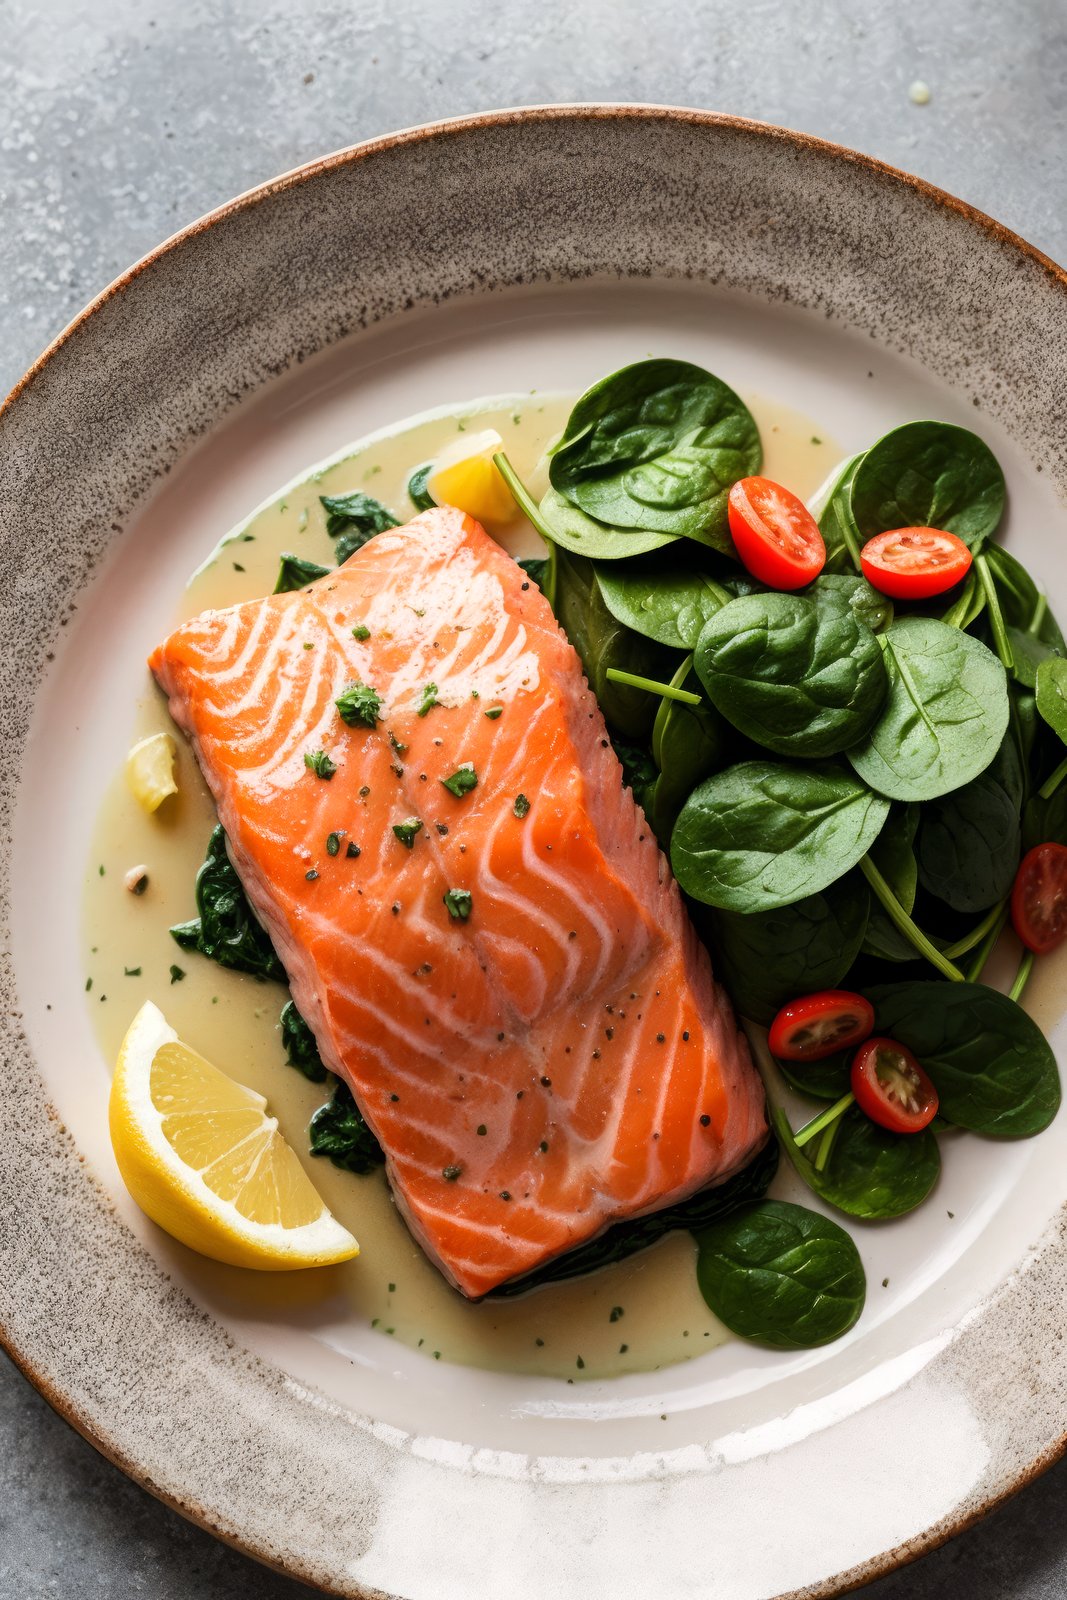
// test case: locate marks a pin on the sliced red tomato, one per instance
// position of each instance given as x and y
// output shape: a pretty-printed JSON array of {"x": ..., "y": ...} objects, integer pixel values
[
  {"x": 775, "y": 534},
  {"x": 891, "y": 1087},
  {"x": 914, "y": 563},
  {"x": 818, "y": 1024},
  {"x": 1039, "y": 898}
]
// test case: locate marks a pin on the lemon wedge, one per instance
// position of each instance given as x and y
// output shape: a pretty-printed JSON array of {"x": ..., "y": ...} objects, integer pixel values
[
  {"x": 202, "y": 1156},
  {"x": 150, "y": 770},
  {"x": 464, "y": 475}
]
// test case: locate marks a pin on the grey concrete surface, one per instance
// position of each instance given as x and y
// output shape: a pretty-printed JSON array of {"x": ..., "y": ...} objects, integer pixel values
[{"x": 121, "y": 120}]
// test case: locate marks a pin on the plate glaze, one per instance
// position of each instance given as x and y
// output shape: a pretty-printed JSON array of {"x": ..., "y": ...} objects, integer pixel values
[{"x": 404, "y": 274}]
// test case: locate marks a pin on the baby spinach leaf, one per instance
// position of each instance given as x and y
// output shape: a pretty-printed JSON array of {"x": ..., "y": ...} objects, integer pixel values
[
  {"x": 227, "y": 930},
  {"x": 761, "y": 834},
  {"x": 296, "y": 573},
  {"x": 357, "y": 516},
  {"x": 1028, "y": 652},
  {"x": 688, "y": 743},
  {"x": 849, "y": 589},
  {"x": 827, "y": 1079},
  {"x": 536, "y": 567},
  {"x": 929, "y": 475},
  {"x": 636, "y": 1233},
  {"x": 585, "y": 536},
  {"x": 991, "y": 1065},
  {"x": 893, "y": 854},
  {"x": 1045, "y": 820},
  {"x": 797, "y": 677},
  {"x": 670, "y": 607},
  {"x": 1020, "y": 599},
  {"x": 832, "y": 511},
  {"x": 657, "y": 446},
  {"x": 301, "y": 1051},
  {"x": 639, "y": 770},
  {"x": 870, "y": 1172},
  {"x": 602, "y": 642},
  {"x": 969, "y": 840},
  {"x": 1051, "y": 691},
  {"x": 944, "y": 717},
  {"x": 769, "y": 957},
  {"x": 337, "y": 1130},
  {"x": 781, "y": 1275}
]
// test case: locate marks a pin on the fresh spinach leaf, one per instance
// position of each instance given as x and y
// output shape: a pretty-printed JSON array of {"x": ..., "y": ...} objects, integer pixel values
[
  {"x": 828, "y": 1079},
  {"x": 945, "y": 715},
  {"x": 602, "y": 642},
  {"x": 354, "y": 518},
  {"x": 418, "y": 493},
  {"x": 929, "y": 475},
  {"x": 870, "y": 1172},
  {"x": 781, "y": 1275},
  {"x": 969, "y": 841},
  {"x": 797, "y": 677},
  {"x": 535, "y": 567},
  {"x": 688, "y": 743},
  {"x": 893, "y": 853},
  {"x": 1021, "y": 599},
  {"x": 658, "y": 446},
  {"x": 861, "y": 598},
  {"x": 670, "y": 607},
  {"x": 296, "y": 573},
  {"x": 583, "y": 535},
  {"x": 761, "y": 834},
  {"x": 832, "y": 511},
  {"x": 636, "y": 1233},
  {"x": 991, "y": 1065},
  {"x": 301, "y": 1051},
  {"x": 337, "y": 1130},
  {"x": 639, "y": 771},
  {"x": 1045, "y": 821},
  {"x": 1028, "y": 653},
  {"x": 227, "y": 930},
  {"x": 769, "y": 957},
  {"x": 1051, "y": 694}
]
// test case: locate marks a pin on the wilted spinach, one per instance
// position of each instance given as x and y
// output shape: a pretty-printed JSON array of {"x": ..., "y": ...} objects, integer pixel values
[
  {"x": 301, "y": 1051},
  {"x": 227, "y": 930},
  {"x": 354, "y": 518},
  {"x": 418, "y": 493},
  {"x": 797, "y": 677},
  {"x": 781, "y": 1275},
  {"x": 762, "y": 834},
  {"x": 296, "y": 573},
  {"x": 337, "y": 1130},
  {"x": 657, "y": 446}
]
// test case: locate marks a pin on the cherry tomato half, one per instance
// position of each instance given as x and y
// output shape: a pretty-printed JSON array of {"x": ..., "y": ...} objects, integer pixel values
[
  {"x": 914, "y": 563},
  {"x": 891, "y": 1087},
  {"x": 818, "y": 1024},
  {"x": 775, "y": 534},
  {"x": 1039, "y": 898}
]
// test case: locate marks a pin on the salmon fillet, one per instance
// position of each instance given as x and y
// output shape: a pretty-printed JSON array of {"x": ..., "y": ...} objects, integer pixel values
[{"x": 559, "y": 1058}]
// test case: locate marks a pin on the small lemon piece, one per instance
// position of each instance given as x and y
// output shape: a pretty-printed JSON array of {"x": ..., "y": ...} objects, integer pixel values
[
  {"x": 203, "y": 1158},
  {"x": 464, "y": 476},
  {"x": 150, "y": 770}
]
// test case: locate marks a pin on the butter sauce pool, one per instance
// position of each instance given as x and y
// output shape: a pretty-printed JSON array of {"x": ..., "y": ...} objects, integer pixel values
[{"x": 641, "y": 1314}]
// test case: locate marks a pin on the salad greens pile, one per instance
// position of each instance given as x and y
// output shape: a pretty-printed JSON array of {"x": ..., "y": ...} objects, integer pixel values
[{"x": 845, "y": 787}]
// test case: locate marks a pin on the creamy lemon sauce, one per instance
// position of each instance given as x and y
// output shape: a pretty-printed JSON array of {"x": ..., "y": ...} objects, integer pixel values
[{"x": 639, "y": 1315}]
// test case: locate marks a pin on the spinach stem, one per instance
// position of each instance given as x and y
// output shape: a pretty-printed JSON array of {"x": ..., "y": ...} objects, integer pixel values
[
  {"x": 985, "y": 949},
  {"x": 911, "y": 931},
  {"x": 955, "y": 616},
  {"x": 826, "y": 1144},
  {"x": 1039, "y": 612},
  {"x": 1052, "y": 783},
  {"x": 532, "y": 512},
  {"x": 1021, "y": 977},
  {"x": 993, "y": 918},
  {"x": 665, "y": 689},
  {"x": 823, "y": 1120},
  {"x": 716, "y": 590},
  {"x": 996, "y": 616}
]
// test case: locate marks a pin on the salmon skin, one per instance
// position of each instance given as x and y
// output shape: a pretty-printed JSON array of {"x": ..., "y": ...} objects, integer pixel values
[{"x": 504, "y": 976}]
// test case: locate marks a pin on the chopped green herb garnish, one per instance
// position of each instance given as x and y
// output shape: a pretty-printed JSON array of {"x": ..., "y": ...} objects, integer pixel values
[
  {"x": 359, "y": 703},
  {"x": 176, "y": 973},
  {"x": 101, "y": 869},
  {"x": 494, "y": 712},
  {"x": 462, "y": 781},
  {"x": 333, "y": 843},
  {"x": 521, "y": 806},
  {"x": 581, "y": 1363},
  {"x": 401, "y": 749},
  {"x": 351, "y": 850},
  {"x": 308, "y": 645},
  {"x": 481, "y": 1130},
  {"x": 459, "y": 903},
  {"x": 406, "y": 831},
  {"x": 237, "y": 567},
  {"x": 295, "y": 573},
  {"x": 429, "y": 699},
  {"x": 318, "y": 762},
  {"x": 475, "y": 695},
  {"x": 616, "y": 1313},
  {"x": 132, "y": 972},
  {"x": 364, "y": 791},
  {"x": 88, "y": 984},
  {"x": 451, "y": 1173},
  {"x": 361, "y": 633}
]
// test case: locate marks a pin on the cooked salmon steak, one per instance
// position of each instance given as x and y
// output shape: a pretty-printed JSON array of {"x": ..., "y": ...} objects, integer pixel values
[{"x": 490, "y": 950}]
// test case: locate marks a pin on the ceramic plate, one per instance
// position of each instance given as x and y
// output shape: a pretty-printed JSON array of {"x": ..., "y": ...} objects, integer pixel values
[{"x": 533, "y": 249}]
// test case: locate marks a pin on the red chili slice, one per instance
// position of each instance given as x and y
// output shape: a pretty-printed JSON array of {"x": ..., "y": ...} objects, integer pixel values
[{"x": 819, "y": 1024}]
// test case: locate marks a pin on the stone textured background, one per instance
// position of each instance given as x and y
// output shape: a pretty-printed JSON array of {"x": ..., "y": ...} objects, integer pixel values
[{"x": 121, "y": 121}]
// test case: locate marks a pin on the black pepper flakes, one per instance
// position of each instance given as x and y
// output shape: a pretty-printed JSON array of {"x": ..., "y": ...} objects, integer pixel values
[
  {"x": 661, "y": 1038},
  {"x": 311, "y": 876},
  {"x": 546, "y": 1083},
  {"x": 705, "y": 1121},
  {"x": 505, "y": 1194},
  {"x": 685, "y": 1036}
]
